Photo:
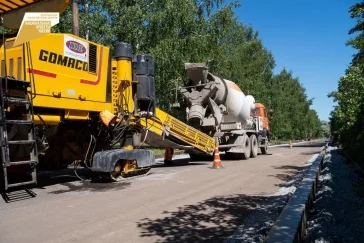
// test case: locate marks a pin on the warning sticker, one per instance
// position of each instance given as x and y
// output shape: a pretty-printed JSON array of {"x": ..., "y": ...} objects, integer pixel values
[
  {"x": 35, "y": 25},
  {"x": 75, "y": 48}
]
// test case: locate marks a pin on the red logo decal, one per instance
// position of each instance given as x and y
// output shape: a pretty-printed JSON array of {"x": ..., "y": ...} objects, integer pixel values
[{"x": 76, "y": 47}]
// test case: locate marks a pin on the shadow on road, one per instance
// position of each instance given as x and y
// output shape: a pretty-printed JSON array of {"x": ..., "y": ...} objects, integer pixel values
[
  {"x": 207, "y": 221},
  {"x": 289, "y": 174},
  {"x": 64, "y": 180},
  {"x": 67, "y": 181},
  {"x": 44, "y": 179},
  {"x": 14, "y": 196},
  {"x": 309, "y": 145},
  {"x": 180, "y": 162},
  {"x": 310, "y": 153},
  {"x": 92, "y": 187}
]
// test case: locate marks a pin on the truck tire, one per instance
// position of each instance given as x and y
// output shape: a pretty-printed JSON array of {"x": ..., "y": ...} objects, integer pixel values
[
  {"x": 265, "y": 148},
  {"x": 254, "y": 146},
  {"x": 244, "y": 152}
]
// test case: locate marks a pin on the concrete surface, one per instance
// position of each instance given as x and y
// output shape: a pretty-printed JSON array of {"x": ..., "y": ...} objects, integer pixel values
[{"x": 182, "y": 203}]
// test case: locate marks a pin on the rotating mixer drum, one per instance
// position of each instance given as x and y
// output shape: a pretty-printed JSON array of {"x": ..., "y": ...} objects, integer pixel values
[
  {"x": 225, "y": 99},
  {"x": 238, "y": 105}
]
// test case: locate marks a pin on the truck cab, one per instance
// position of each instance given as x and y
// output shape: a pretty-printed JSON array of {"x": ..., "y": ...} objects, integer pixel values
[{"x": 260, "y": 111}]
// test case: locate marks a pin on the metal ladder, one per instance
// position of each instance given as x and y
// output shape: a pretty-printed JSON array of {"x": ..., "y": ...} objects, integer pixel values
[{"x": 9, "y": 86}]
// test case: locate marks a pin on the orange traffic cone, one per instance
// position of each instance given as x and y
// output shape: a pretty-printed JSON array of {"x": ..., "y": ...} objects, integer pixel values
[{"x": 217, "y": 161}]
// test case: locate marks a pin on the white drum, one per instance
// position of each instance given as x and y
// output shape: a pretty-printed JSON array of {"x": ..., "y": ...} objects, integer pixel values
[{"x": 238, "y": 105}]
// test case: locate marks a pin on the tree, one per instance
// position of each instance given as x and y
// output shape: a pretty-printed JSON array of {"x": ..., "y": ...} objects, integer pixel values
[
  {"x": 180, "y": 31},
  {"x": 346, "y": 119},
  {"x": 357, "y": 42}
]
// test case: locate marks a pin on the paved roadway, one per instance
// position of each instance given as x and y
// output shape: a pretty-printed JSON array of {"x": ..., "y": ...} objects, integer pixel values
[{"x": 189, "y": 202}]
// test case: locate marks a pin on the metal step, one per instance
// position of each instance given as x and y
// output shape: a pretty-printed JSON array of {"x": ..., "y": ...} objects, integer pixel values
[
  {"x": 21, "y": 142},
  {"x": 24, "y": 162},
  {"x": 14, "y": 83},
  {"x": 26, "y": 122},
  {"x": 22, "y": 183},
  {"x": 11, "y": 92},
  {"x": 17, "y": 101}
]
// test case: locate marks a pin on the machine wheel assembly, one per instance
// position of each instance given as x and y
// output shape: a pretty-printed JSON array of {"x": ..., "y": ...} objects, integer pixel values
[
  {"x": 125, "y": 169},
  {"x": 116, "y": 174},
  {"x": 119, "y": 164},
  {"x": 254, "y": 146}
]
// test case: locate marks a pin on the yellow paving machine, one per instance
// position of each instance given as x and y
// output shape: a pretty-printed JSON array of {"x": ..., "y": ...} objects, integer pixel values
[{"x": 67, "y": 99}]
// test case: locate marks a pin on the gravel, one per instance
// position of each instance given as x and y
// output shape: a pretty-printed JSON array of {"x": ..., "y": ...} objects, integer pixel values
[
  {"x": 338, "y": 213},
  {"x": 257, "y": 224}
]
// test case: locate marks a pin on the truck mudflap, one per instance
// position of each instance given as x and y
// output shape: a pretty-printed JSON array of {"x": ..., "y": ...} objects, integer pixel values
[{"x": 104, "y": 161}]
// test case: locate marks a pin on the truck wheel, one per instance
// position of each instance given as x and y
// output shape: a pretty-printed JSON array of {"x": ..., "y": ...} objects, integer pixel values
[
  {"x": 244, "y": 151},
  {"x": 265, "y": 148},
  {"x": 254, "y": 146},
  {"x": 247, "y": 149}
]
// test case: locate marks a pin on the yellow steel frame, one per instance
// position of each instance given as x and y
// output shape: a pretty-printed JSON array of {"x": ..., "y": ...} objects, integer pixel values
[
  {"x": 125, "y": 94},
  {"x": 56, "y": 86},
  {"x": 163, "y": 123}
]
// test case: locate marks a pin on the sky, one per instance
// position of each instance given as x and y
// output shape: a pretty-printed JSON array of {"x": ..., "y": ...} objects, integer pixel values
[{"x": 307, "y": 37}]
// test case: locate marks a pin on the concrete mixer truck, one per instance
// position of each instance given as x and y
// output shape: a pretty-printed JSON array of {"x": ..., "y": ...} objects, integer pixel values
[{"x": 220, "y": 109}]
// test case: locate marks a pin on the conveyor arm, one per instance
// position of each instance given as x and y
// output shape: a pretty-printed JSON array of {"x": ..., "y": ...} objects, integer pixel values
[{"x": 164, "y": 126}]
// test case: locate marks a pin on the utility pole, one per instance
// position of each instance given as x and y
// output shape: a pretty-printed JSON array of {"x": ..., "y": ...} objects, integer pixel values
[{"x": 76, "y": 26}]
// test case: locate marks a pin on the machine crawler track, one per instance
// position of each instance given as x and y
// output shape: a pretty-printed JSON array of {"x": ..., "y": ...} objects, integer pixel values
[
  {"x": 104, "y": 176},
  {"x": 119, "y": 164},
  {"x": 130, "y": 175}
]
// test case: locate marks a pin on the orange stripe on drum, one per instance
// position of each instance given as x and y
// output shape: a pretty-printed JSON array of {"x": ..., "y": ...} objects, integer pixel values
[{"x": 233, "y": 85}]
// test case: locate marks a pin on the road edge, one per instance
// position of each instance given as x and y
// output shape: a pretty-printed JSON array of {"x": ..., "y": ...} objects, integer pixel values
[{"x": 292, "y": 221}]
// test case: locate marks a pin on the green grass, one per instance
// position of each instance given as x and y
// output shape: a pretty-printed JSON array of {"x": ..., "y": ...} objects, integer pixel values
[
  {"x": 160, "y": 151},
  {"x": 156, "y": 151}
]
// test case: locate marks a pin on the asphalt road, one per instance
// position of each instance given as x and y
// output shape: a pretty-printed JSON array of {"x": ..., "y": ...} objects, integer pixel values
[{"x": 182, "y": 203}]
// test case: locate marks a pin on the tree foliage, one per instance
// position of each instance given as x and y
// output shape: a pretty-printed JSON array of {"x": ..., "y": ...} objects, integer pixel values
[
  {"x": 347, "y": 118},
  {"x": 180, "y": 31}
]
